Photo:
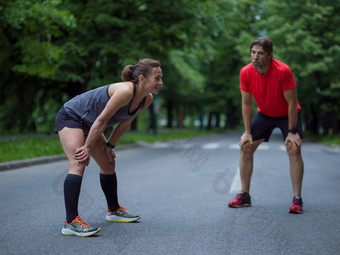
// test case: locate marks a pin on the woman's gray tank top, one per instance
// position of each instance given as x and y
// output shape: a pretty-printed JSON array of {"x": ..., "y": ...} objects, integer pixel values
[{"x": 87, "y": 107}]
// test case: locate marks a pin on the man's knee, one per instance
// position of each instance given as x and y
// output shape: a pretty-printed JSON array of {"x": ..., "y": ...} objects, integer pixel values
[
  {"x": 248, "y": 149},
  {"x": 293, "y": 150}
]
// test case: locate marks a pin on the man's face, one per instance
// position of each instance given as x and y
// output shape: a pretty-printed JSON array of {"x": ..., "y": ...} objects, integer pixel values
[{"x": 260, "y": 58}]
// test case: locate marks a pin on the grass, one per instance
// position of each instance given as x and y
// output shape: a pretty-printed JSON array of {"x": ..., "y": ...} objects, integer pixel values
[
  {"x": 29, "y": 148},
  {"x": 26, "y": 148},
  {"x": 329, "y": 140}
]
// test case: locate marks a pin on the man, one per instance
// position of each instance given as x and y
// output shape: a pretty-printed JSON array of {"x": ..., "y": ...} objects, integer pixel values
[{"x": 273, "y": 87}]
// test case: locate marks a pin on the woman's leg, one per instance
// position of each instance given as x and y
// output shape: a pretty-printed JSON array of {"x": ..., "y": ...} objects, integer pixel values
[
  {"x": 108, "y": 183},
  {"x": 108, "y": 179},
  {"x": 71, "y": 139}
]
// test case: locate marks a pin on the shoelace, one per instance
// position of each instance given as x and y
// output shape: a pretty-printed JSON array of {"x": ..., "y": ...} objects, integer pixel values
[
  {"x": 241, "y": 195},
  {"x": 121, "y": 208},
  {"x": 297, "y": 202},
  {"x": 81, "y": 222}
]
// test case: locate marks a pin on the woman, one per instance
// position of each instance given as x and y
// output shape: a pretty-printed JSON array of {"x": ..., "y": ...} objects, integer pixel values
[{"x": 80, "y": 124}]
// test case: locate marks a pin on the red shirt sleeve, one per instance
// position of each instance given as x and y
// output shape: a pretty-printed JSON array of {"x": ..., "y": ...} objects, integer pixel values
[
  {"x": 243, "y": 81},
  {"x": 287, "y": 79}
]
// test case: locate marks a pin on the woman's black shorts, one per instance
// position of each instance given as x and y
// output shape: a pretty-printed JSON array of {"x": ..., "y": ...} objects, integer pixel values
[
  {"x": 262, "y": 126},
  {"x": 63, "y": 119}
]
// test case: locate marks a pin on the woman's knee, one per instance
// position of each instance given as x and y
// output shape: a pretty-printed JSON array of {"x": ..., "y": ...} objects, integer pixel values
[
  {"x": 77, "y": 168},
  {"x": 107, "y": 167}
]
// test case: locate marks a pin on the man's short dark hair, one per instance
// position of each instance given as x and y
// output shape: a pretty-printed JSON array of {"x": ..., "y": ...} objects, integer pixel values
[{"x": 265, "y": 42}]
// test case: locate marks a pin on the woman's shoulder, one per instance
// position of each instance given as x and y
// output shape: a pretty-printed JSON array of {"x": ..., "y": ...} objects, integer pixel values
[{"x": 123, "y": 88}]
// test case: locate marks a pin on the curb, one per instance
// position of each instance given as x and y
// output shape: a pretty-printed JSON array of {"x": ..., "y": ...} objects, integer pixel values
[
  {"x": 30, "y": 162},
  {"x": 332, "y": 148}
]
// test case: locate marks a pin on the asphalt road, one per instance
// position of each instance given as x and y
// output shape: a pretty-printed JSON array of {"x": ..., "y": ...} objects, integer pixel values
[{"x": 181, "y": 190}]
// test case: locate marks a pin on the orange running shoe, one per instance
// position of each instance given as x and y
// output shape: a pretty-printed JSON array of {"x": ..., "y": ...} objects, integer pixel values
[
  {"x": 121, "y": 215},
  {"x": 78, "y": 227}
]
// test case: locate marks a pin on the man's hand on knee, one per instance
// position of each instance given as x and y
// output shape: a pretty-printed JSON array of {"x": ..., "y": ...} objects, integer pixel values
[
  {"x": 246, "y": 138},
  {"x": 294, "y": 139}
]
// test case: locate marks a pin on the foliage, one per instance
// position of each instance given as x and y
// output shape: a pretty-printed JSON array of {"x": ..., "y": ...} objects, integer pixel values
[
  {"x": 307, "y": 38},
  {"x": 53, "y": 50},
  {"x": 30, "y": 58}
]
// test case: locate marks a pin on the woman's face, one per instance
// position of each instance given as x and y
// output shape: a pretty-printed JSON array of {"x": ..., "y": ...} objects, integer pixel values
[{"x": 154, "y": 80}]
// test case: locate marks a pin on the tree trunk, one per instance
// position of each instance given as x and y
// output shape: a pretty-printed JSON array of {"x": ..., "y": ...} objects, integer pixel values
[
  {"x": 180, "y": 116},
  {"x": 232, "y": 120},
  {"x": 151, "y": 123},
  {"x": 169, "y": 106},
  {"x": 218, "y": 117},
  {"x": 209, "y": 121}
]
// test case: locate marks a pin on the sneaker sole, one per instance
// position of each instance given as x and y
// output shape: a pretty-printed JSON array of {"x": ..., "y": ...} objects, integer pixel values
[
  {"x": 239, "y": 206},
  {"x": 69, "y": 232},
  {"x": 296, "y": 212},
  {"x": 113, "y": 218}
]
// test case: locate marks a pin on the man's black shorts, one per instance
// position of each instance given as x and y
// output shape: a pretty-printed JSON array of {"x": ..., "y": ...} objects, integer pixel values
[{"x": 262, "y": 126}]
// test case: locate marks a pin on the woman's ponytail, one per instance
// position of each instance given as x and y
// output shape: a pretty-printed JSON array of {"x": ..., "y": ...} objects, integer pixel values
[{"x": 127, "y": 74}]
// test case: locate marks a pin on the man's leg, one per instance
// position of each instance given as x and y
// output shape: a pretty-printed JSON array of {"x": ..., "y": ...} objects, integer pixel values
[
  {"x": 246, "y": 170},
  {"x": 261, "y": 129},
  {"x": 246, "y": 164},
  {"x": 296, "y": 173},
  {"x": 296, "y": 167}
]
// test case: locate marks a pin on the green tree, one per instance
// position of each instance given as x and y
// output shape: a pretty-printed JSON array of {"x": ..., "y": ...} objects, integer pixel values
[
  {"x": 228, "y": 53},
  {"x": 51, "y": 54},
  {"x": 53, "y": 50},
  {"x": 110, "y": 35},
  {"x": 306, "y": 37},
  {"x": 29, "y": 58}
]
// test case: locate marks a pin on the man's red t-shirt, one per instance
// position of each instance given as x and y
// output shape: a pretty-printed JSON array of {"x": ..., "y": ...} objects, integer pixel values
[{"x": 268, "y": 89}]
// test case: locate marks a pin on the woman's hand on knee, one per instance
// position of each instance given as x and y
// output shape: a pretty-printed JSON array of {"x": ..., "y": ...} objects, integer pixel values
[{"x": 82, "y": 155}]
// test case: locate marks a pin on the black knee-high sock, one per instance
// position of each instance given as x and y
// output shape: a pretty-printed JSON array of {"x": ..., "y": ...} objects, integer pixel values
[
  {"x": 109, "y": 186},
  {"x": 72, "y": 187}
]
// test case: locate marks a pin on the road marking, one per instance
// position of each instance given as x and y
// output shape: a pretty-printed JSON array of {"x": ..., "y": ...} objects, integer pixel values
[
  {"x": 211, "y": 146},
  {"x": 263, "y": 147},
  {"x": 282, "y": 147},
  {"x": 236, "y": 184},
  {"x": 234, "y": 146},
  {"x": 156, "y": 145}
]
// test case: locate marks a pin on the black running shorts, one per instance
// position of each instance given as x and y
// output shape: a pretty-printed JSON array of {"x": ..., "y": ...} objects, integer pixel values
[
  {"x": 63, "y": 119},
  {"x": 262, "y": 126}
]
